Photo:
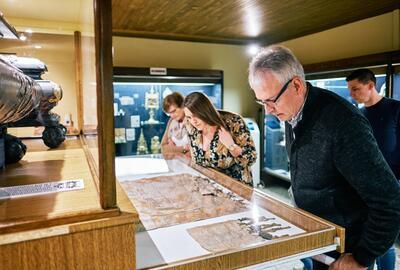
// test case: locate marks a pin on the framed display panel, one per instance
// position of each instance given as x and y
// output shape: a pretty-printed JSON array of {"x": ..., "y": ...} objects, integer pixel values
[{"x": 193, "y": 217}]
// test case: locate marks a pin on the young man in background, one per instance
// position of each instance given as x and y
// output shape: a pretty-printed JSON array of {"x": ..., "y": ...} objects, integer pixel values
[{"x": 384, "y": 116}]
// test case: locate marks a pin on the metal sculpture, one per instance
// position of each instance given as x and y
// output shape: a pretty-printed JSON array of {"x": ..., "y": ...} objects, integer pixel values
[{"x": 27, "y": 101}]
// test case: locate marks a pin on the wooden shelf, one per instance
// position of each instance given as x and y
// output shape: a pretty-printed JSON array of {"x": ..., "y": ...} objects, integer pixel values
[
  {"x": 41, "y": 164},
  {"x": 105, "y": 243}
]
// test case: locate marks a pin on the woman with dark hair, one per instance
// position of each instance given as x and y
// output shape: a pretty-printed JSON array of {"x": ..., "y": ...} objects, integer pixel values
[
  {"x": 175, "y": 140},
  {"x": 219, "y": 139}
]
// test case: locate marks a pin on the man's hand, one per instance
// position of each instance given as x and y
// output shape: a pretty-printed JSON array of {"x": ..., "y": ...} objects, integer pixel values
[{"x": 346, "y": 262}]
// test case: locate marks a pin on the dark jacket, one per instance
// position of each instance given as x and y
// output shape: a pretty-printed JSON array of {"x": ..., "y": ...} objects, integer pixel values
[
  {"x": 339, "y": 174},
  {"x": 384, "y": 118}
]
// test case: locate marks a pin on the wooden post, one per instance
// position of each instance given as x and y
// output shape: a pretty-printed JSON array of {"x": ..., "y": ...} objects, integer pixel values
[
  {"x": 78, "y": 79},
  {"x": 105, "y": 95}
]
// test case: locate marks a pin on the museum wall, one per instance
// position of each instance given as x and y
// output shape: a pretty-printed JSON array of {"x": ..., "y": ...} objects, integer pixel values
[
  {"x": 232, "y": 59},
  {"x": 373, "y": 35},
  {"x": 57, "y": 52}
]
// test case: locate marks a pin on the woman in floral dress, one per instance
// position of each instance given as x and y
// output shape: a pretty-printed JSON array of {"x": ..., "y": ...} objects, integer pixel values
[{"x": 219, "y": 139}]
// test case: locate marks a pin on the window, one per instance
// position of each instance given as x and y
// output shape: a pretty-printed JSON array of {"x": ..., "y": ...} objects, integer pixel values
[{"x": 339, "y": 86}]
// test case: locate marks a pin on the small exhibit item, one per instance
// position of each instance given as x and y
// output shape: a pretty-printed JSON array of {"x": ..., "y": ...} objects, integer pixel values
[
  {"x": 126, "y": 100},
  {"x": 130, "y": 134},
  {"x": 241, "y": 233},
  {"x": 120, "y": 135},
  {"x": 115, "y": 109},
  {"x": 164, "y": 201},
  {"x": 40, "y": 189},
  {"x": 135, "y": 121}
]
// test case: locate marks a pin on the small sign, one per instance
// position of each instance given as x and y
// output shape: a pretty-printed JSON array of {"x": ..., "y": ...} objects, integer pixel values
[
  {"x": 115, "y": 109},
  {"x": 135, "y": 121},
  {"x": 130, "y": 134},
  {"x": 40, "y": 189},
  {"x": 158, "y": 71}
]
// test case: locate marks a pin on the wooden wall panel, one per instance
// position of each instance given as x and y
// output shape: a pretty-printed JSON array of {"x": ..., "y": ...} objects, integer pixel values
[
  {"x": 103, "y": 248},
  {"x": 238, "y": 22}
]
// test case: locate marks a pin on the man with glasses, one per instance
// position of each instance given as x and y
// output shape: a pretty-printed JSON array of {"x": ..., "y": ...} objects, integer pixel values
[{"x": 337, "y": 170}]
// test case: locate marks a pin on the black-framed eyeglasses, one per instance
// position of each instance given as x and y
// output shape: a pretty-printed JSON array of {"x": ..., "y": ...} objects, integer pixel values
[{"x": 271, "y": 101}]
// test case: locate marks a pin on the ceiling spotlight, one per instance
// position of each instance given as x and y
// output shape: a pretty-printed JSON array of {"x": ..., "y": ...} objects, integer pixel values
[
  {"x": 29, "y": 31},
  {"x": 38, "y": 47},
  {"x": 253, "y": 49},
  {"x": 22, "y": 37}
]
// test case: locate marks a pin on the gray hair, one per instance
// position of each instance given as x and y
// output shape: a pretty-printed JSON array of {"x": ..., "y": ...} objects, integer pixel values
[{"x": 278, "y": 60}]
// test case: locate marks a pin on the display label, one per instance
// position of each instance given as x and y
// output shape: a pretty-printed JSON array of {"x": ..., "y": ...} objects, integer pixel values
[
  {"x": 115, "y": 109},
  {"x": 135, "y": 121},
  {"x": 126, "y": 100},
  {"x": 158, "y": 71},
  {"x": 130, "y": 134},
  {"x": 40, "y": 189}
]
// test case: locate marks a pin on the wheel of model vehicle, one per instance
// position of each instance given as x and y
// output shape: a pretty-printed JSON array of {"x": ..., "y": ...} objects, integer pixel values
[
  {"x": 64, "y": 129},
  {"x": 54, "y": 136},
  {"x": 14, "y": 149}
]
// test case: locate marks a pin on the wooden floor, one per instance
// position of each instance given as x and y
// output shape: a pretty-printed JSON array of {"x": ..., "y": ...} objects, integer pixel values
[{"x": 41, "y": 164}]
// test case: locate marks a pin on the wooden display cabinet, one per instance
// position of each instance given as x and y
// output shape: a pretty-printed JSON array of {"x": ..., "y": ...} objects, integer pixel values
[
  {"x": 170, "y": 245},
  {"x": 79, "y": 229}
]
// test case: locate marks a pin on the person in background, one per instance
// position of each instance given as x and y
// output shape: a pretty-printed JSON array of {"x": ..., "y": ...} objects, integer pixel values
[
  {"x": 337, "y": 170},
  {"x": 384, "y": 116},
  {"x": 382, "y": 113},
  {"x": 219, "y": 139},
  {"x": 175, "y": 140}
]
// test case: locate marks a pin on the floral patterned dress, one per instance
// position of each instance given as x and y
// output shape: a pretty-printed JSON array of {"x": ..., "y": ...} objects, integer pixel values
[{"x": 218, "y": 156}]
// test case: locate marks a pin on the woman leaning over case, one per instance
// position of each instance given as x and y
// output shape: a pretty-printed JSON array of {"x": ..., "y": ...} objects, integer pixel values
[{"x": 219, "y": 139}]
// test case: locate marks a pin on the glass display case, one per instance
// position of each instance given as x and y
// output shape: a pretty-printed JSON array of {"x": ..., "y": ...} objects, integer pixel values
[
  {"x": 396, "y": 83},
  {"x": 139, "y": 119},
  {"x": 192, "y": 217},
  {"x": 275, "y": 161}
]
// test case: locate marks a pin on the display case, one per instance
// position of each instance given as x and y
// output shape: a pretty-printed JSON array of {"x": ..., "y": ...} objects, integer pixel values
[
  {"x": 193, "y": 217},
  {"x": 139, "y": 119},
  {"x": 58, "y": 206},
  {"x": 396, "y": 82}
]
